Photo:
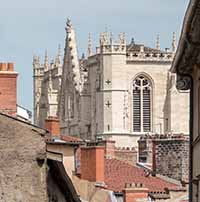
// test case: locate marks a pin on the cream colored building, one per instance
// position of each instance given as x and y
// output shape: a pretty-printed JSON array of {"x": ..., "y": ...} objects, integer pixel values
[
  {"x": 46, "y": 85},
  {"x": 120, "y": 92},
  {"x": 187, "y": 66}
]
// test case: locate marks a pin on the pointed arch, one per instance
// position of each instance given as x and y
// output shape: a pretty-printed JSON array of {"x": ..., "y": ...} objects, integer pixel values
[{"x": 142, "y": 86}]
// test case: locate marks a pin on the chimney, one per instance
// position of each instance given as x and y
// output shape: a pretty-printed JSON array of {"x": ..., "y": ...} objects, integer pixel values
[
  {"x": 134, "y": 192},
  {"x": 8, "y": 89},
  {"x": 109, "y": 147},
  {"x": 92, "y": 163},
  {"x": 10, "y": 67},
  {"x": 52, "y": 124},
  {"x": 3, "y": 67}
]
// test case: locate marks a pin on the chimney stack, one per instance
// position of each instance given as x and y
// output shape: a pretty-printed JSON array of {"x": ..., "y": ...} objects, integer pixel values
[
  {"x": 134, "y": 192},
  {"x": 8, "y": 89},
  {"x": 10, "y": 67},
  {"x": 109, "y": 147},
  {"x": 92, "y": 163},
  {"x": 52, "y": 124}
]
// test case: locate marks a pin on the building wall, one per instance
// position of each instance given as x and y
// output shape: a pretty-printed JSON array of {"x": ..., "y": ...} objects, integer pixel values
[
  {"x": 114, "y": 122},
  {"x": 68, "y": 156},
  {"x": 46, "y": 86},
  {"x": 106, "y": 110},
  {"x": 24, "y": 173},
  {"x": 171, "y": 158},
  {"x": 127, "y": 155},
  {"x": 178, "y": 119},
  {"x": 22, "y": 165},
  {"x": 196, "y": 130}
]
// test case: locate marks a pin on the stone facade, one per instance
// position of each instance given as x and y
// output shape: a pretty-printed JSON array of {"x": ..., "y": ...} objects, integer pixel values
[
  {"x": 26, "y": 174},
  {"x": 97, "y": 98},
  {"x": 171, "y": 158},
  {"x": 187, "y": 67},
  {"x": 127, "y": 155},
  {"x": 166, "y": 155},
  {"x": 23, "y": 174},
  {"x": 46, "y": 85}
]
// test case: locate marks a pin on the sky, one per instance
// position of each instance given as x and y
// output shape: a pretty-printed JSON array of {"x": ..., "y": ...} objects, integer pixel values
[{"x": 29, "y": 27}]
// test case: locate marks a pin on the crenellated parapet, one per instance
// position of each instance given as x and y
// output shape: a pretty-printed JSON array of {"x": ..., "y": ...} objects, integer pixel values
[
  {"x": 141, "y": 53},
  {"x": 107, "y": 45},
  {"x": 143, "y": 56},
  {"x": 133, "y": 51}
]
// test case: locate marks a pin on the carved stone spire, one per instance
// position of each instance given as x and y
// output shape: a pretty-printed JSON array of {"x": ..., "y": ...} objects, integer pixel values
[
  {"x": 36, "y": 62},
  {"x": 71, "y": 71},
  {"x": 158, "y": 42},
  {"x": 59, "y": 55},
  {"x": 111, "y": 38},
  {"x": 50, "y": 87},
  {"x": 89, "y": 51},
  {"x": 174, "y": 42},
  {"x": 71, "y": 82},
  {"x": 46, "y": 62},
  {"x": 105, "y": 38},
  {"x": 122, "y": 38}
]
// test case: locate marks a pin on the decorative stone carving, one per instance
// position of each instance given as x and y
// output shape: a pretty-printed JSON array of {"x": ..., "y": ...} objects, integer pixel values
[{"x": 183, "y": 83}]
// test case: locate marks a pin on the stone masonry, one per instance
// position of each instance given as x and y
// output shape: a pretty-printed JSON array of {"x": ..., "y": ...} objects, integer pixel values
[{"x": 171, "y": 157}]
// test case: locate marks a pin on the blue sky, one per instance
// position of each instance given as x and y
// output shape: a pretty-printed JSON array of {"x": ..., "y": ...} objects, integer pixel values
[{"x": 29, "y": 27}]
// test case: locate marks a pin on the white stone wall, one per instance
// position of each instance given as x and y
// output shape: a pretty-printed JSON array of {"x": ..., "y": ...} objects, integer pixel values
[
  {"x": 46, "y": 92},
  {"x": 115, "y": 122},
  {"x": 103, "y": 107}
]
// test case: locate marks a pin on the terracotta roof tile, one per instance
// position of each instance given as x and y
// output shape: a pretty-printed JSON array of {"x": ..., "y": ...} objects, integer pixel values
[
  {"x": 71, "y": 139},
  {"x": 117, "y": 173}
]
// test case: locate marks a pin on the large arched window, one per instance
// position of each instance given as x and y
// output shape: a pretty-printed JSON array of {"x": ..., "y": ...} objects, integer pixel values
[{"x": 142, "y": 94}]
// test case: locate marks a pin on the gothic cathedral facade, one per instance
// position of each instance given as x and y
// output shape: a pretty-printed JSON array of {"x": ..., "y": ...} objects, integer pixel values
[{"x": 120, "y": 92}]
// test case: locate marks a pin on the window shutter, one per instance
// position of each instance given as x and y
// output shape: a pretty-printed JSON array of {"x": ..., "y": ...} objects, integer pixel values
[
  {"x": 136, "y": 111},
  {"x": 146, "y": 110}
]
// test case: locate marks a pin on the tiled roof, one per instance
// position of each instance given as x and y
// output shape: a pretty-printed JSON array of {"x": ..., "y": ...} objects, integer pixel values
[
  {"x": 117, "y": 173},
  {"x": 136, "y": 48},
  {"x": 71, "y": 139}
]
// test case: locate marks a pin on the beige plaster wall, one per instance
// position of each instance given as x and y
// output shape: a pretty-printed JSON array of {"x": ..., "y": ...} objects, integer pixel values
[{"x": 68, "y": 156}]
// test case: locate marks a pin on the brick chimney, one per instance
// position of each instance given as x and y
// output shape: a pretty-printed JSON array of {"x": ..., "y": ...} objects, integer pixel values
[
  {"x": 135, "y": 192},
  {"x": 109, "y": 147},
  {"x": 52, "y": 124},
  {"x": 8, "y": 89},
  {"x": 92, "y": 163}
]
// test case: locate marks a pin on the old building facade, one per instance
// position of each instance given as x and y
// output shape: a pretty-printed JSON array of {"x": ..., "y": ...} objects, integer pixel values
[
  {"x": 46, "y": 85},
  {"x": 186, "y": 65},
  {"x": 120, "y": 92}
]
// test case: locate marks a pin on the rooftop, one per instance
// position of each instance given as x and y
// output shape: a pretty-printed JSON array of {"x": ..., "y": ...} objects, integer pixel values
[
  {"x": 119, "y": 173},
  {"x": 64, "y": 139}
]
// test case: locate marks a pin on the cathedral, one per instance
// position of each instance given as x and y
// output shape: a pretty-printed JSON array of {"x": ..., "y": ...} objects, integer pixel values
[{"x": 120, "y": 92}]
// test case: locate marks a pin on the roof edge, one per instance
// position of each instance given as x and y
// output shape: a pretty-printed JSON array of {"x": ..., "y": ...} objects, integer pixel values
[{"x": 183, "y": 38}]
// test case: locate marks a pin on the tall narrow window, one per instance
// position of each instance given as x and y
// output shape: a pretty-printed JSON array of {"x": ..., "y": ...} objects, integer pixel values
[{"x": 142, "y": 91}]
